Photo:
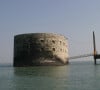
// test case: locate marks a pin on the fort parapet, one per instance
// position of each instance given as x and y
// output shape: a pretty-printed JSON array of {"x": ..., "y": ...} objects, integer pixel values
[{"x": 40, "y": 49}]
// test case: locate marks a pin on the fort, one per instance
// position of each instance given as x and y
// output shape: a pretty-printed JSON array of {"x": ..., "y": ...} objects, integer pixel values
[{"x": 36, "y": 49}]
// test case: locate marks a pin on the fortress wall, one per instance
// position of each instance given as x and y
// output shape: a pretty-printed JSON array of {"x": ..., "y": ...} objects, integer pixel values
[{"x": 36, "y": 47}]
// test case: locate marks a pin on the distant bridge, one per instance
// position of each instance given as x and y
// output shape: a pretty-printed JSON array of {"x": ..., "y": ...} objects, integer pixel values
[
  {"x": 81, "y": 56},
  {"x": 94, "y": 54}
]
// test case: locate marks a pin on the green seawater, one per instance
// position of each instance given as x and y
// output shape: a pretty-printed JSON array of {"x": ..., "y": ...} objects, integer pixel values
[{"x": 75, "y": 76}]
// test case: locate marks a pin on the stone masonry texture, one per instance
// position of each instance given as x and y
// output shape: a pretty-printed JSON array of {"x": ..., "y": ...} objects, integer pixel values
[{"x": 35, "y": 49}]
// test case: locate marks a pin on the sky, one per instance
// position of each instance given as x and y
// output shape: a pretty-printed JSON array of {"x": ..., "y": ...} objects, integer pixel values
[{"x": 75, "y": 19}]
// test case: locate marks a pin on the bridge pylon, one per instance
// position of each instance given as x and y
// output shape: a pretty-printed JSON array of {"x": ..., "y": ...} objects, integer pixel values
[{"x": 94, "y": 54}]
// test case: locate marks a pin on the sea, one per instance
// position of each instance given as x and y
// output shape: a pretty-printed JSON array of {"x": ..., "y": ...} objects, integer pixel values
[{"x": 74, "y": 76}]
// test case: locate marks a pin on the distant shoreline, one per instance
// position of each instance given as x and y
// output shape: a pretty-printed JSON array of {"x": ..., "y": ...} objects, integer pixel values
[{"x": 6, "y": 65}]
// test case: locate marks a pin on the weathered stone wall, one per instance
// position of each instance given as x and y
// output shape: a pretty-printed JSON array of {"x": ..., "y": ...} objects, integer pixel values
[{"x": 40, "y": 49}]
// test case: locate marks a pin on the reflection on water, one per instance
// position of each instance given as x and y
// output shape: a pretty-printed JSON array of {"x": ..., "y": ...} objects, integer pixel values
[
  {"x": 75, "y": 76},
  {"x": 47, "y": 71},
  {"x": 40, "y": 78}
]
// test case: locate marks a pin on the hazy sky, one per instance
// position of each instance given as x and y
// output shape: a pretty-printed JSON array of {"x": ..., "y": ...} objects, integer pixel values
[{"x": 75, "y": 19}]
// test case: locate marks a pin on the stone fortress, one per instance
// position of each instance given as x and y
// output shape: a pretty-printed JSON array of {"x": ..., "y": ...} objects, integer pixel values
[{"x": 35, "y": 49}]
